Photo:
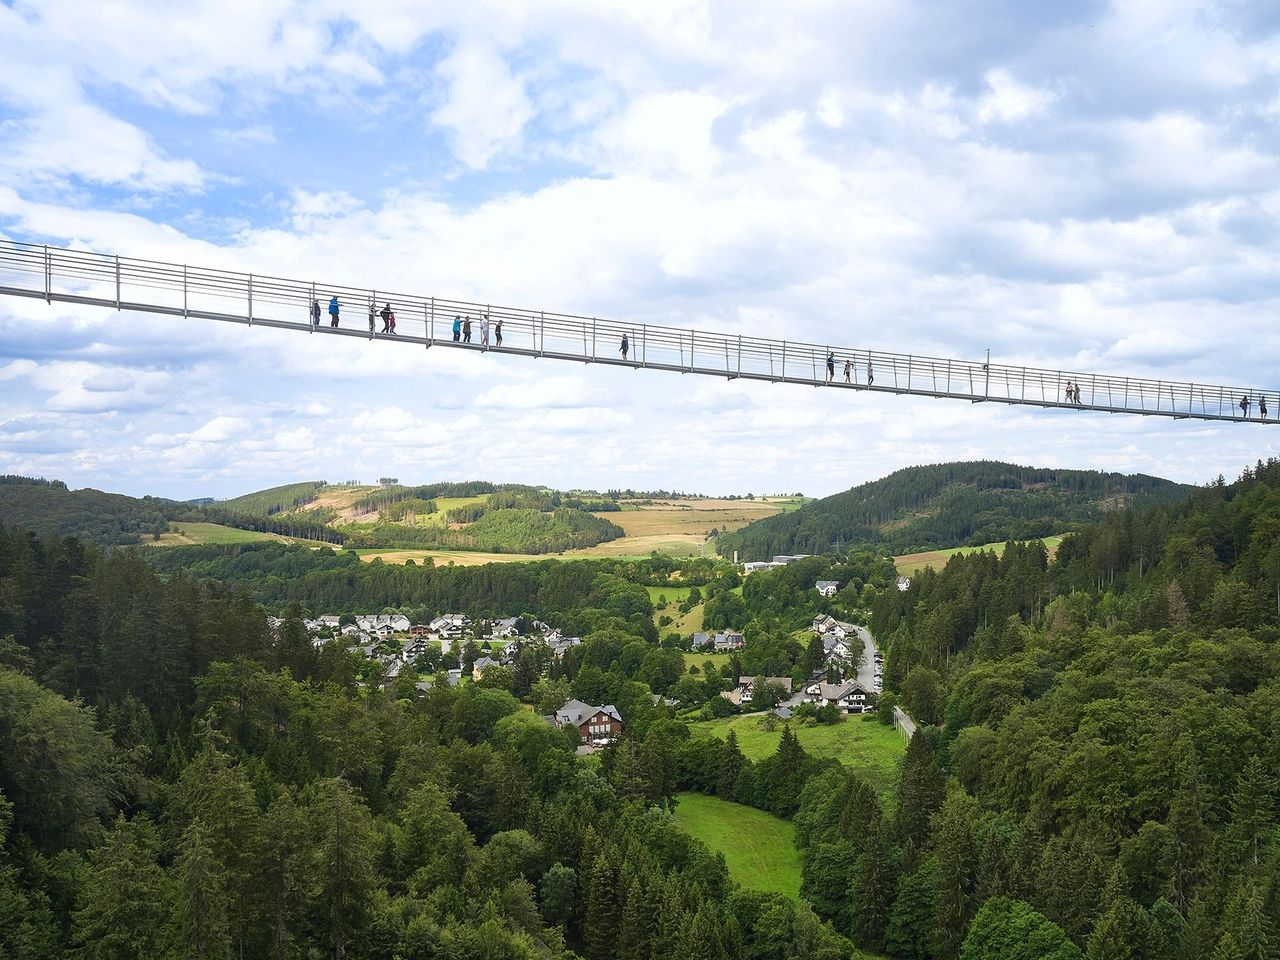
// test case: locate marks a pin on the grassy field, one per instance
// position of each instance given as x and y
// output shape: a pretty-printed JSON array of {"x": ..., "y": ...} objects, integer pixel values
[
  {"x": 910, "y": 563},
  {"x": 867, "y": 747},
  {"x": 758, "y": 849},
  {"x": 187, "y": 534},
  {"x": 690, "y": 517},
  {"x": 696, "y": 659}
]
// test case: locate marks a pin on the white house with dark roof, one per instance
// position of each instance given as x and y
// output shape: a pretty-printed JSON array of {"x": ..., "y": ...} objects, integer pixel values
[
  {"x": 827, "y": 588},
  {"x": 741, "y": 695},
  {"x": 847, "y": 697}
]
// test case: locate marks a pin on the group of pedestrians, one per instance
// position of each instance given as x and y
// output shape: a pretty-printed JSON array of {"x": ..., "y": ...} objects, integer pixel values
[
  {"x": 848, "y": 369},
  {"x": 1246, "y": 402},
  {"x": 462, "y": 330},
  {"x": 335, "y": 312},
  {"x": 1073, "y": 394}
]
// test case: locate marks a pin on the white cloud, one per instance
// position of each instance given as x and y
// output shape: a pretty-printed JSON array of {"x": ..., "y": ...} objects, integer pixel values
[
  {"x": 1008, "y": 101},
  {"x": 486, "y": 109}
]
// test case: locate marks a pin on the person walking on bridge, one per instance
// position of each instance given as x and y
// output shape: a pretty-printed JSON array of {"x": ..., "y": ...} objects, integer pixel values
[
  {"x": 848, "y": 370},
  {"x": 1244, "y": 406},
  {"x": 333, "y": 311},
  {"x": 457, "y": 328},
  {"x": 831, "y": 365},
  {"x": 871, "y": 374},
  {"x": 484, "y": 330},
  {"x": 1262, "y": 407},
  {"x": 466, "y": 329},
  {"x": 315, "y": 313},
  {"x": 626, "y": 345},
  {"x": 1070, "y": 392},
  {"x": 497, "y": 332},
  {"x": 371, "y": 315},
  {"x": 385, "y": 314}
]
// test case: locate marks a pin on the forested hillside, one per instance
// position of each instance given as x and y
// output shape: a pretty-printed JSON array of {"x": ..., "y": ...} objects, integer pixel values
[
  {"x": 221, "y": 788},
  {"x": 1109, "y": 725},
  {"x": 263, "y": 503},
  {"x": 48, "y": 508},
  {"x": 949, "y": 505}
]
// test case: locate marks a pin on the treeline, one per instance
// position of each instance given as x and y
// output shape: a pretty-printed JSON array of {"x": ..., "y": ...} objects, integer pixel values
[
  {"x": 264, "y": 503},
  {"x": 948, "y": 505}
]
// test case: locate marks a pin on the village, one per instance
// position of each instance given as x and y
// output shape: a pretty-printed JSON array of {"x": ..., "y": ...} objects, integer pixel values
[{"x": 459, "y": 648}]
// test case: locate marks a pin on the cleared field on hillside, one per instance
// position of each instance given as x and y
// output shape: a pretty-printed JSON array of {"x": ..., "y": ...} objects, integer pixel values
[
  {"x": 183, "y": 534},
  {"x": 867, "y": 747},
  {"x": 695, "y": 518},
  {"x": 759, "y": 849},
  {"x": 910, "y": 563},
  {"x": 698, "y": 660}
]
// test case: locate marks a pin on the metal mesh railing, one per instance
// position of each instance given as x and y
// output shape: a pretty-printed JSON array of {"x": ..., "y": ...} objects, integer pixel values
[{"x": 127, "y": 283}]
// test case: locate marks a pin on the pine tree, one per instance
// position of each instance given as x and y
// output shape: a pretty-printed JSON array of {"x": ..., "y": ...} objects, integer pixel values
[
  {"x": 1252, "y": 810},
  {"x": 282, "y": 878},
  {"x": 1126, "y": 932},
  {"x": 600, "y": 925},
  {"x": 786, "y": 774},
  {"x": 1247, "y": 921},
  {"x": 343, "y": 862},
  {"x": 701, "y": 938},
  {"x": 911, "y": 919},
  {"x": 670, "y": 921},
  {"x": 956, "y": 859},
  {"x": 123, "y": 904},
  {"x": 874, "y": 888},
  {"x": 921, "y": 787},
  {"x": 203, "y": 931},
  {"x": 1186, "y": 823},
  {"x": 636, "y": 934},
  {"x": 731, "y": 761}
]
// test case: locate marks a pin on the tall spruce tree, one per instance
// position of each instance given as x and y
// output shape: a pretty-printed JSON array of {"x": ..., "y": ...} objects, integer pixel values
[
  {"x": 342, "y": 863},
  {"x": 731, "y": 761},
  {"x": 874, "y": 888}
]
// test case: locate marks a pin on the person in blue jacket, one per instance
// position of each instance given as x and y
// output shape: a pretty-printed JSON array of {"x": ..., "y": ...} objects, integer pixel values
[
  {"x": 457, "y": 329},
  {"x": 831, "y": 366},
  {"x": 333, "y": 311}
]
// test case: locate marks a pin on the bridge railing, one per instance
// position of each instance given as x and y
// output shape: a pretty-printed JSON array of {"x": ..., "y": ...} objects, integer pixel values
[{"x": 81, "y": 276}]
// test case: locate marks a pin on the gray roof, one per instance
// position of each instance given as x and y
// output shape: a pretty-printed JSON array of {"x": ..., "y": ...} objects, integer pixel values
[
  {"x": 576, "y": 712},
  {"x": 832, "y": 584}
]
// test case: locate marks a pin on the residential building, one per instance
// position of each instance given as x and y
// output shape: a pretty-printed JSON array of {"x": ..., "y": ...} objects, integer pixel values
[
  {"x": 480, "y": 666},
  {"x": 450, "y": 625},
  {"x": 847, "y": 697},
  {"x": 595, "y": 725},
  {"x": 828, "y": 588},
  {"x": 741, "y": 695},
  {"x": 727, "y": 641}
]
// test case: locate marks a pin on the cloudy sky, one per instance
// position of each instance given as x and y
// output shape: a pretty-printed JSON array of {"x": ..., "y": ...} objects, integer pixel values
[{"x": 1086, "y": 185}]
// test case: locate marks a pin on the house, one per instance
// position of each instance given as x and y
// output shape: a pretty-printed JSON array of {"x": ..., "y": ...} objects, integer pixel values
[
  {"x": 595, "y": 725},
  {"x": 330, "y": 622},
  {"x": 480, "y": 666},
  {"x": 828, "y": 588},
  {"x": 419, "y": 631},
  {"x": 350, "y": 630},
  {"x": 383, "y": 624},
  {"x": 836, "y": 650},
  {"x": 741, "y": 694},
  {"x": 450, "y": 625},
  {"x": 701, "y": 640},
  {"x": 825, "y": 625},
  {"x": 452, "y": 677},
  {"x": 506, "y": 627},
  {"x": 847, "y": 697},
  {"x": 729, "y": 640},
  {"x": 751, "y": 566},
  {"x": 783, "y": 713},
  {"x": 559, "y": 645}
]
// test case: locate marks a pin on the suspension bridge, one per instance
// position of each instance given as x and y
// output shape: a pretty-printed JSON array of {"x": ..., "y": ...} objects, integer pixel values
[{"x": 62, "y": 275}]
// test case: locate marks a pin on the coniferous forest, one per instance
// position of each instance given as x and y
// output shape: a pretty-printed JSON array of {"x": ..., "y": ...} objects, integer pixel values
[{"x": 1095, "y": 774}]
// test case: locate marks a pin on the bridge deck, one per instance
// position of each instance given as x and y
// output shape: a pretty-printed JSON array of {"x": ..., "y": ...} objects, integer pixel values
[{"x": 178, "y": 290}]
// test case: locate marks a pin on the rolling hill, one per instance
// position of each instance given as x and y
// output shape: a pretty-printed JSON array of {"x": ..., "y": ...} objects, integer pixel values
[{"x": 949, "y": 505}]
